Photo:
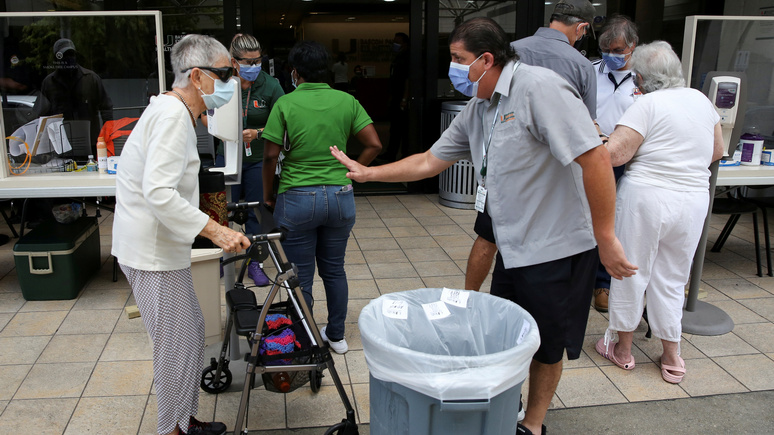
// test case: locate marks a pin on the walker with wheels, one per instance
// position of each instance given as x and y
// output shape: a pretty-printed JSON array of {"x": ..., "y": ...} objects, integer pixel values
[{"x": 286, "y": 347}]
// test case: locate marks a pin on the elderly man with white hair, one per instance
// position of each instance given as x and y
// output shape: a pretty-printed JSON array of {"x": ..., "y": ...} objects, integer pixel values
[{"x": 667, "y": 138}]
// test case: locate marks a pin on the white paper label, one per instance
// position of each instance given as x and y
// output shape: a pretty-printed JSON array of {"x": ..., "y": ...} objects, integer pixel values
[
  {"x": 525, "y": 327},
  {"x": 480, "y": 198},
  {"x": 436, "y": 310},
  {"x": 395, "y": 309},
  {"x": 457, "y": 298}
]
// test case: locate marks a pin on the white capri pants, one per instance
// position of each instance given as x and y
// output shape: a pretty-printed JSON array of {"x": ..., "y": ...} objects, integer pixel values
[{"x": 659, "y": 230}]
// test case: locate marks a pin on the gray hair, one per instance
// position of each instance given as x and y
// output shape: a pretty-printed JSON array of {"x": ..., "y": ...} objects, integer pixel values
[
  {"x": 194, "y": 51},
  {"x": 618, "y": 27},
  {"x": 242, "y": 43},
  {"x": 658, "y": 65}
]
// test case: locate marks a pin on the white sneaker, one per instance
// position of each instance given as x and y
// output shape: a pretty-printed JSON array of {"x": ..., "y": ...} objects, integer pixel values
[{"x": 339, "y": 347}]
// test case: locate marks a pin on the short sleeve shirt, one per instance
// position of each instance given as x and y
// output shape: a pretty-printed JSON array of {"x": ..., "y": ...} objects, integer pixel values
[
  {"x": 613, "y": 98},
  {"x": 551, "y": 49},
  {"x": 316, "y": 118},
  {"x": 535, "y": 194}
]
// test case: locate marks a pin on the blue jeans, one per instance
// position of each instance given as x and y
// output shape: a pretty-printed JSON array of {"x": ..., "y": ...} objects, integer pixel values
[
  {"x": 319, "y": 220},
  {"x": 252, "y": 184}
]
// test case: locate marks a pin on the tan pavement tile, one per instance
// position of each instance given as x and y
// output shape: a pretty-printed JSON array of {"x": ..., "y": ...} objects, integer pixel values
[
  {"x": 125, "y": 324},
  {"x": 401, "y": 222},
  {"x": 430, "y": 222},
  {"x": 120, "y": 378},
  {"x": 452, "y": 281},
  {"x": 357, "y": 367},
  {"x": 11, "y": 302},
  {"x": 374, "y": 244},
  {"x": 74, "y": 348},
  {"x": 324, "y": 408},
  {"x": 371, "y": 233},
  {"x": 361, "y": 223},
  {"x": 354, "y": 256},
  {"x": 392, "y": 285},
  {"x": 22, "y": 350},
  {"x": 102, "y": 299},
  {"x": 443, "y": 230},
  {"x": 758, "y": 335},
  {"x": 48, "y": 305},
  {"x": 738, "y": 288},
  {"x": 4, "y": 319},
  {"x": 420, "y": 255},
  {"x": 643, "y": 383},
  {"x": 417, "y": 242},
  {"x": 409, "y": 231},
  {"x": 763, "y": 307},
  {"x": 437, "y": 268},
  {"x": 582, "y": 361},
  {"x": 35, "y": 323},
  {"x": 587, "y": 387},
  {"x": 455, "y": 240},
  {"x": 460, "y": 254},
  {"x": 357, "y": 271},
  {"x": 10, "y": 283},
  {"x": 38, "y": 416},
  {"x": 48, "y": 381},
  {"x": 721, "y": 345},
  {"x": 266, "y": 410},
  {"x": 596, "y": 324},
  {"x": 394, "y": 212},
  {"x": 96, "y": 414},
  {"x": 90, "y": 322},
  {"x": 362, "y": 289},
  {"x": 133, "y": 346},
  {"x": 703, "y": 377},
  {"x": 756, "y": 372},
  {"x": 150, "y": 417},
  {"x": 361, "y": 402},
  {"x": 715, "y": 271},
  {"x": 738, "y": 312},
  {"x": 10, "y": 378},
  {"x": 393, "y": 270},
  {"x": 385, "y": 256},
  {"x": 653, "y": 349}
]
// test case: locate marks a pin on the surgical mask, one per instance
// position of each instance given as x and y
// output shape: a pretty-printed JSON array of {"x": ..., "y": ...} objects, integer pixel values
[
  {"x": 396, "y": 47},
  {"x": 458, "y": 74},
  {"x": 220, "y": 95},
  {"x": 614, "y": 61},
  {"x": 249, "y": 72}
]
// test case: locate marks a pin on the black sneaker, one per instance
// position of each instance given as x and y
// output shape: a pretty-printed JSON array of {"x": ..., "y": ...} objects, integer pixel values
[{"x": 196, "y": 427}]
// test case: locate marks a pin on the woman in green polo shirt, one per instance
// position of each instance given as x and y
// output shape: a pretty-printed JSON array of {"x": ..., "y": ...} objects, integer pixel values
[{"x": 316, "y": 202}]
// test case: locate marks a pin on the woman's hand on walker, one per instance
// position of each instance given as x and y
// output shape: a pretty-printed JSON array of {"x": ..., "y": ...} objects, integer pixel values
[
  {"x": 231, "y": 241},
  {"x": 357, "y": 172}
]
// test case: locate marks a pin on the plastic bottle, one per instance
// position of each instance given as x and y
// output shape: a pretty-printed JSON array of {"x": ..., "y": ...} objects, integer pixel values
[
  {"x": 102, "y": 155},
  {"x": 91, "y": 165},
  {"x": 281, "y": 381}
]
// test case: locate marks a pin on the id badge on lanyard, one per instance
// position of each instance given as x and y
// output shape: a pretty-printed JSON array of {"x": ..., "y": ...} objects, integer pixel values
[{"x": 481, "y": 191}]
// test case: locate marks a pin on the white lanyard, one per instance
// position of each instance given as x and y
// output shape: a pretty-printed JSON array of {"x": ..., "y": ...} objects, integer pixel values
[{"x": 489, "y": 140}]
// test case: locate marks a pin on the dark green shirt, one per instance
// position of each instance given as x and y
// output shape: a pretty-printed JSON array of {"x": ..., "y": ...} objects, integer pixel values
[
  {"x": 257, "y": 102},
  {"x": 316, "y": 117}
]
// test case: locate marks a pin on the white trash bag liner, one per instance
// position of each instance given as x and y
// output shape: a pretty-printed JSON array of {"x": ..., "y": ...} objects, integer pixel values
[{"x": 448, "y": 344}]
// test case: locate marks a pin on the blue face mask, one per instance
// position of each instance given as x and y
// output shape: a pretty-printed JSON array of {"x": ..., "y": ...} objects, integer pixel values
[
  {"x": 395, "y": 47},
  {"x": 249, "y": 72},
  {"x": 220, "y": 96},
  {"x": 613, "y": 61},
  {"x": 458, "y": 74}
]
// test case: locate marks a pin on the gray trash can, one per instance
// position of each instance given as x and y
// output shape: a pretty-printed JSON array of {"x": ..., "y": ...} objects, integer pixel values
[
  {"x": 446, "y": 361},
  {"x": 457, "y": 184}
]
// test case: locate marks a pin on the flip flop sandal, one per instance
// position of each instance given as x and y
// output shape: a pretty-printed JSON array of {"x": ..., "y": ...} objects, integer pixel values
[
  {"x": 607, "y": 353},
  {"x": 671, "y": 377}
]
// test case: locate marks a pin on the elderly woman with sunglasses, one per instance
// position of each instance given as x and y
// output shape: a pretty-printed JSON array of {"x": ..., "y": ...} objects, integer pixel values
[{"x": 156, "y": 220}]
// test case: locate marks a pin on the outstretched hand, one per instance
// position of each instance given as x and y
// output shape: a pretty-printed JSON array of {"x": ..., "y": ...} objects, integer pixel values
[
  {"x": 612, "y": 256},
  {"x": 357, "y": 172}
]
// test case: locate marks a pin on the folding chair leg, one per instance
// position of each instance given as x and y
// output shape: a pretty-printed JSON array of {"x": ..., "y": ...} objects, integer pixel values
[
  {"x": 757, "y": 244},
  {"x": 8, "y": 222},
  {"x": 730, "y": 224}
]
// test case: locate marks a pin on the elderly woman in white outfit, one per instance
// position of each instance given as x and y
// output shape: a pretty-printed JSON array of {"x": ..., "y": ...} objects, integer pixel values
[
  {"x": 156, "y": 220},
  {"x": 667, "y": 138}
]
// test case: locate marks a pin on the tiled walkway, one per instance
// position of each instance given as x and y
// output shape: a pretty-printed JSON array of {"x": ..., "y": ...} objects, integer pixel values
[{"x": 81, "y": 366}]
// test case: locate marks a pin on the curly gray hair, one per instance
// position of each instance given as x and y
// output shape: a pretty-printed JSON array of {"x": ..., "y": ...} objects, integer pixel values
[{"x": 658, "y": 66}]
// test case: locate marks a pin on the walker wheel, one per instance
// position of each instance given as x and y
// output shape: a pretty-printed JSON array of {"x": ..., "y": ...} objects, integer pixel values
[
  {"x": 315, "y": 380},
  {"x": 212, "y": 385}
]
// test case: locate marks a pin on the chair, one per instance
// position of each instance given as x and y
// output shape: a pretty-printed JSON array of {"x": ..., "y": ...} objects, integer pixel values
[
  {"x": 762, "y": 202},
  {"x": 736, "y": 207}
]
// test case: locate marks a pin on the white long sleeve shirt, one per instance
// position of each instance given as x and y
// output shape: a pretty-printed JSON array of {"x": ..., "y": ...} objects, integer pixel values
[{"x": 157, "y": 212}]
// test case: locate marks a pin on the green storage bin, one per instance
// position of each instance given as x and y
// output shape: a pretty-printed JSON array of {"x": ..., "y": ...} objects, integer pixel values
[{"x": 54, "y": 261}]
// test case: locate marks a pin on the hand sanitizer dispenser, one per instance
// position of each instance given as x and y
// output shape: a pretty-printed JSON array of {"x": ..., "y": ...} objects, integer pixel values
[
  {"x": 724, "y": 95},
  {"x": 225, "y": 123}
]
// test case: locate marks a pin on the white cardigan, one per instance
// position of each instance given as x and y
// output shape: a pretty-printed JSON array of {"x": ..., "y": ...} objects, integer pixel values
[{"x": 157, "y": 212}]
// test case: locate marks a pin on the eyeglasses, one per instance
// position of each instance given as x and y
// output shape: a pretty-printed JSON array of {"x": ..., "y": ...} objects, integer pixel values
[
  {"x": 223, "y": 73},
  {"x": 249, "y": 60}
]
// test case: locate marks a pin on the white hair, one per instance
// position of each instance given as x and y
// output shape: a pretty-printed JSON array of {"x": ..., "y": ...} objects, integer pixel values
[
  {"x": 195, "y": 51},
  {"x": 658, "y": 65}
]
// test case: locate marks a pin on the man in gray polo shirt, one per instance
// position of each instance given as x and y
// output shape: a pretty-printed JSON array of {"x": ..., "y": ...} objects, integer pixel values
[
  {"x": 551, "y": 47},
  {"x": 549, "y": 189}
]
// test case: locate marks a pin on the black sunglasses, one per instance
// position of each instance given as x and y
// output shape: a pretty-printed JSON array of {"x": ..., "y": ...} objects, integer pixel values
[{"x": 223, "y": 73}]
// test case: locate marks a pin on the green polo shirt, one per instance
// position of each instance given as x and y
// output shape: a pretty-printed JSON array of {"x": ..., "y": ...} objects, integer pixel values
[{"x": 316, "y": 117}]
